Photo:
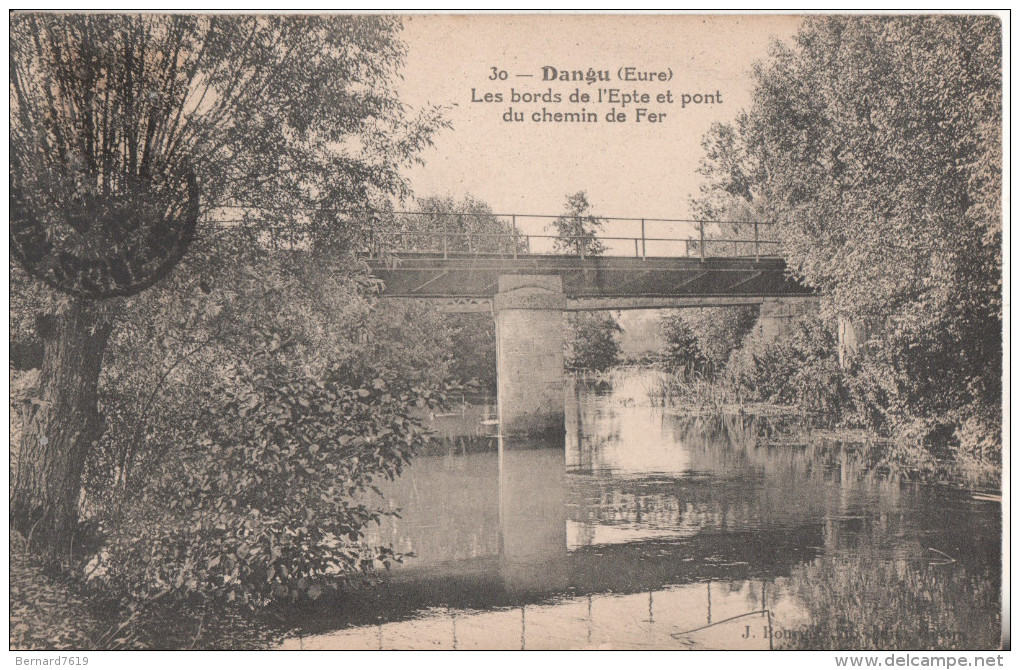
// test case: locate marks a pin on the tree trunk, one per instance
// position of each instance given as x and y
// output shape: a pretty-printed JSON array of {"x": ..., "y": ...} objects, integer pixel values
[{"x": 61, "y": 426}]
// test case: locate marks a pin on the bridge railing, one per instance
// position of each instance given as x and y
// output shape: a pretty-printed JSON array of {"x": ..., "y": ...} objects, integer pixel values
[{"x": 512, "y": 235}]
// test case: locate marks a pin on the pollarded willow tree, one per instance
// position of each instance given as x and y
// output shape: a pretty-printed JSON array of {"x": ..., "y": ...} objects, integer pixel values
[
  {"x": 876, "y": 144},
  {"x": 130, "y": 135}
]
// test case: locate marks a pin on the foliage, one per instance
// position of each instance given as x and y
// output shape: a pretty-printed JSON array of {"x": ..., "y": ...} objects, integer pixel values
[
  {"x": 293, "y": 318},
  {"x": 683, "y": 354},
  {"x": 725, "y": 200},
  {"x": 903, "y": 397},
  {"x": 799, "y": 368},
  {"x": 114, "y": 95},
  {"x": 228, "y": 303},
  {"x": 52, "y": 610},
  {"x": 433, "y": 349},
  {"x": 246, "y": 429},
  {"x": 267, "y": 501},
  {"x": 241, "y": 409},
  {"x": 472, "y": 351},
  {"x": 110, "y": 111},
  {"x": 114, "y": 113},
  {"x": 445, "y": 224},
  {"x": 410, "y": 336},
  {"x": 470, "y": 227},
  {"x": 578, "y": 228},
  {"x": 239, "y": 397},
  {"x": 702, "y": 339},
  {"x": 875, "y": 143},
  {"x": 592, "y": 341}
]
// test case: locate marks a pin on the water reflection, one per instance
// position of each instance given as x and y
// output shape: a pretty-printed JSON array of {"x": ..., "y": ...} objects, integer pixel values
[
  {"x": 695, "y": 616},
  {"x": 653, "y": 530},
  {"x": 532, "y": 518}
]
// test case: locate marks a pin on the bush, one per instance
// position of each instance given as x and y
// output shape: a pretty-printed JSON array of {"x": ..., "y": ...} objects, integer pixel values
[
  {"x": 473, "y": 351},
  {"x": 247, "y": 423},
  {"x": 683, "y": 354},
  {"x": 894, "y": 389},
  {"x": 592, "y": 341},
  {"x": 432, "y": 348},
  {"x": 705, "y": 337},
  {"x": 265, "y": 502},
  {"x": 800, "y": 368},
  {"x": 936, "y": 283},
  {"x": 888, "y": 387}
]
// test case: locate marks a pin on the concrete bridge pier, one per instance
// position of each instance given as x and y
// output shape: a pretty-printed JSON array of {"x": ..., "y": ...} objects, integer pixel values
[{"x": 529, "y": 355}]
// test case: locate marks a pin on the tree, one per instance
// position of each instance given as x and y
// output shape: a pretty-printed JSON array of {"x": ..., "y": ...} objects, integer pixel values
[
  {"x": 728, "y": 202},
  {"x": 577, "y": 229},
  {"x": 683, "y": 350},
  {"x": 469, "y": 226},
  {"x": 800, "y": 369},
  {"x": 443, "y": 223},
  {"x": 473, "y": 349},
  {"x": 704, "y": 338},
  {"x": 592, "y": 341},
  {"x": 253, "y": 399},
  {"x": 132, "y": 134},
  {"x": 875, "y": 142}
]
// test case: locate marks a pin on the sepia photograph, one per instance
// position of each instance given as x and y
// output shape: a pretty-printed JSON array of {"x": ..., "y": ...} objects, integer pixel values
[{"x": 496, "y": 331}]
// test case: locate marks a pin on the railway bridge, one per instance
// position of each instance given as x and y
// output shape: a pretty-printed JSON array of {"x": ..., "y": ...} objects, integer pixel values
[{"x": 528, "y": 279}]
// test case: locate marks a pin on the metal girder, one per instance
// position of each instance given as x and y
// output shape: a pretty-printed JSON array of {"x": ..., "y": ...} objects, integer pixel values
[
  {"x": 751, "y": 278},
  {"x": 421, "y": 275},
  {"x": 463, "y": 305},
  {"x": 434, "y": 279}
]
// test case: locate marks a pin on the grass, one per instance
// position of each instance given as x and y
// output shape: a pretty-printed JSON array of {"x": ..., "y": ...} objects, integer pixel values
[{"x": 700, "y": 395}]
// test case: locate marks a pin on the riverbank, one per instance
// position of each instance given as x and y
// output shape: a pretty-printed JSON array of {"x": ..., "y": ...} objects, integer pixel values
[
  {"x": 52, "y": 609},
  {"x": 823, "y": 409}
]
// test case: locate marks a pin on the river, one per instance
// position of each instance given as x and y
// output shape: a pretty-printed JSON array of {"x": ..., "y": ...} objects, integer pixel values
[{"x": 655, "y": 530}]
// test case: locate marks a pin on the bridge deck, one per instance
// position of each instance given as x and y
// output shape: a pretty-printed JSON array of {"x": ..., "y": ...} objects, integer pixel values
[{"x": 592, "y": 279}]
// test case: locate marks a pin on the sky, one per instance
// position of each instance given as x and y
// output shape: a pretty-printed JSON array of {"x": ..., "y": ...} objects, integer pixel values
[{"x": 628, "y": 169}]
